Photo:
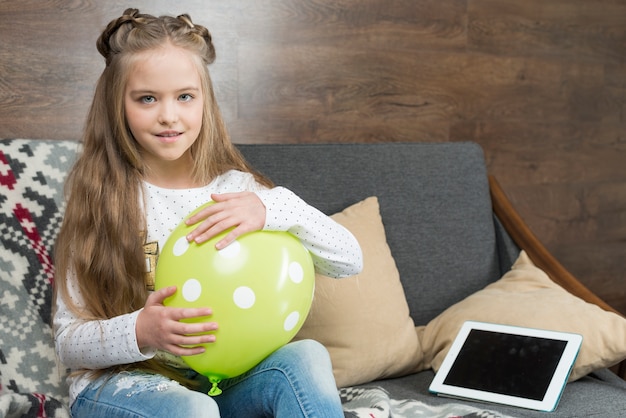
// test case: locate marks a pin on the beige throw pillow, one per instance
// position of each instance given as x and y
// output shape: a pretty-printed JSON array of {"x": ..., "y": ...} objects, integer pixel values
[
  {"x": 364, "y": 320},
  {"x": 525, "y": 296}
]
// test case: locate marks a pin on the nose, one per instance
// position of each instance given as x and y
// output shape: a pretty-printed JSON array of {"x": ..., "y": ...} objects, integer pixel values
[{"x": 168, "y": 114}]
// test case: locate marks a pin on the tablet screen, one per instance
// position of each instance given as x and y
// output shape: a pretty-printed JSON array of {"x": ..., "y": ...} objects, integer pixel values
[
  {"x": 505, "y": 364},
  {"x": 516, "y": 365}
]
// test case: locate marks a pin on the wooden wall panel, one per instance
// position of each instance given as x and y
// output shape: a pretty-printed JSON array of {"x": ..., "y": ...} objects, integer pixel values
[{"x": 541, "y": 85}]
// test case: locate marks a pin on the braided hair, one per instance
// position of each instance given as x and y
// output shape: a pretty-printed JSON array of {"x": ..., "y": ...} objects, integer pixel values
[{"x": 134, "y": 28}]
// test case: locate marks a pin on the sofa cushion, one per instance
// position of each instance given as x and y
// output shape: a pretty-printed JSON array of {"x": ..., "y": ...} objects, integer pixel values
[
  {"x": 364, "y": 320},
  {"x": 525, "y": 296},
  {"x": 31, "y": 195}
]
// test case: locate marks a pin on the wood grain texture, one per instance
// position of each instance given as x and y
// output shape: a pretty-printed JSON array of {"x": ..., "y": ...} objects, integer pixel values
[{"x": 541, "y": 85}]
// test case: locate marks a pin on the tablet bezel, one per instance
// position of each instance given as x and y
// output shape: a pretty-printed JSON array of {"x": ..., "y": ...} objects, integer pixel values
[{"x": 554, "y": 390}]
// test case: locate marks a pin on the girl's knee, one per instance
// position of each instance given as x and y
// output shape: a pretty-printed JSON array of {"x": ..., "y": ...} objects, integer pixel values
[
  {"x": 195, "y": 404},
  {"x": 311, "y": 351},
  {"x": 311, "y": 361}
]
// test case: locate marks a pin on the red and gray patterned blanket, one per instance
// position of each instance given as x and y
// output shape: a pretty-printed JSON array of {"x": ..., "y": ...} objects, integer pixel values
[{"x": 31, "y": 179}]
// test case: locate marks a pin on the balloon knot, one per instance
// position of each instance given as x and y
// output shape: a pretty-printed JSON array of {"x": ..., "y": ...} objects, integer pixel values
[{"x": 215, "y": 390}]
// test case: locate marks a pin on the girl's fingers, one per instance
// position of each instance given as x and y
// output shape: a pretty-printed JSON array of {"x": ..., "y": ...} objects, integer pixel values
[
  {"x": 177, "y": 314},
  {"x": 208, "y": 229},
  {"x": 205, "y": 214},
  {"x": 158, "y": 296},
  {"x": 242, "y": 211}
]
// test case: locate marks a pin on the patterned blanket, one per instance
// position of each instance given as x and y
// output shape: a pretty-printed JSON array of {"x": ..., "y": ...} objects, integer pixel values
[
  {"x": 31, "y": 188},
  {"x": 31, "y": 405},
  {"x": 376, "y": 403}
]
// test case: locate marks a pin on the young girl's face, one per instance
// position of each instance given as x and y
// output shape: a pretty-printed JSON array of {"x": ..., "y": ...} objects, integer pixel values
[{"x": 163, "y": 107}]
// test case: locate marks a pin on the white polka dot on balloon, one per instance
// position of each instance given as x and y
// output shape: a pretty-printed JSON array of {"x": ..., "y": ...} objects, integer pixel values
[
  {"x": 192, "y": 289},
  {"x": 291, "y": 321},
  {"x": 244, "y": 297},
  {"x": 296, "y": 273},
  {"x": 232, "y": 250},
  {"x": 180, "y": 247}
]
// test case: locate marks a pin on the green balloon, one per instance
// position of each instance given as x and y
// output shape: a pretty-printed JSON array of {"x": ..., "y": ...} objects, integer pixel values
[{"x": 260, "y": 289}]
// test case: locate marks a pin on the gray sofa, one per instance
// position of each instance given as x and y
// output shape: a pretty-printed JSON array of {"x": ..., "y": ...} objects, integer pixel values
[{"x": 437, "y": 205}]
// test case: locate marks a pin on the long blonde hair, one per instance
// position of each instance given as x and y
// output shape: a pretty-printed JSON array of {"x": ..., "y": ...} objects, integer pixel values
[{"x": 100, "y": 241}]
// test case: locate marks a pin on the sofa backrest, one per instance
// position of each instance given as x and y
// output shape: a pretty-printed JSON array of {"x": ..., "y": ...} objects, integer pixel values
[{"x": 434, "y": 200}]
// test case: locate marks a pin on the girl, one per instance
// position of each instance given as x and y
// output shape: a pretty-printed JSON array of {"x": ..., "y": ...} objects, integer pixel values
[{"x": 155, "y": 148}]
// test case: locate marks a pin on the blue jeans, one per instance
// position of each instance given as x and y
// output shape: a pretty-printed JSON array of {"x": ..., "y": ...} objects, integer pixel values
[{"x": 295, "y": 381}]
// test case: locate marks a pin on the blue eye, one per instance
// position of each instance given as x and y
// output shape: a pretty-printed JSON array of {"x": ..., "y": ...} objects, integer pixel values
[
  {"x": 185, "y": 97},
  {"x": 147, "y": 99}
]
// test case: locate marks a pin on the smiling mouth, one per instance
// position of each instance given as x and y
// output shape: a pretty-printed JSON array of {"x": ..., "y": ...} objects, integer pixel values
[
  {"x": 168, "y": 134},
  {"x": 169, "y": 137}
]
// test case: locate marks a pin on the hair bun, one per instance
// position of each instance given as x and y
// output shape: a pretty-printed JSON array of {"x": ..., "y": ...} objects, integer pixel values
[
  {"x": 105, "y": 45},
  {"x": 186, "y": 19},
  {"x": 131, "y": 12},
  {"x": 115, "y": 37},
  {"x": 202, "y": 32}
]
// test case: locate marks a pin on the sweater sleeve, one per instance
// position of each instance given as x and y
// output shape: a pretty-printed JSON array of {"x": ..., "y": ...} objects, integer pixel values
[
  {"x": 335, "y": 251},
  {"x": 94, "y": 344}
]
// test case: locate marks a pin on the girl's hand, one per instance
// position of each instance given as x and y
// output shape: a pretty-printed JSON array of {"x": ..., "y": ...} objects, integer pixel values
[
  {"x": 160, "y": 327},
  {"x": 242, "y": 210}
]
